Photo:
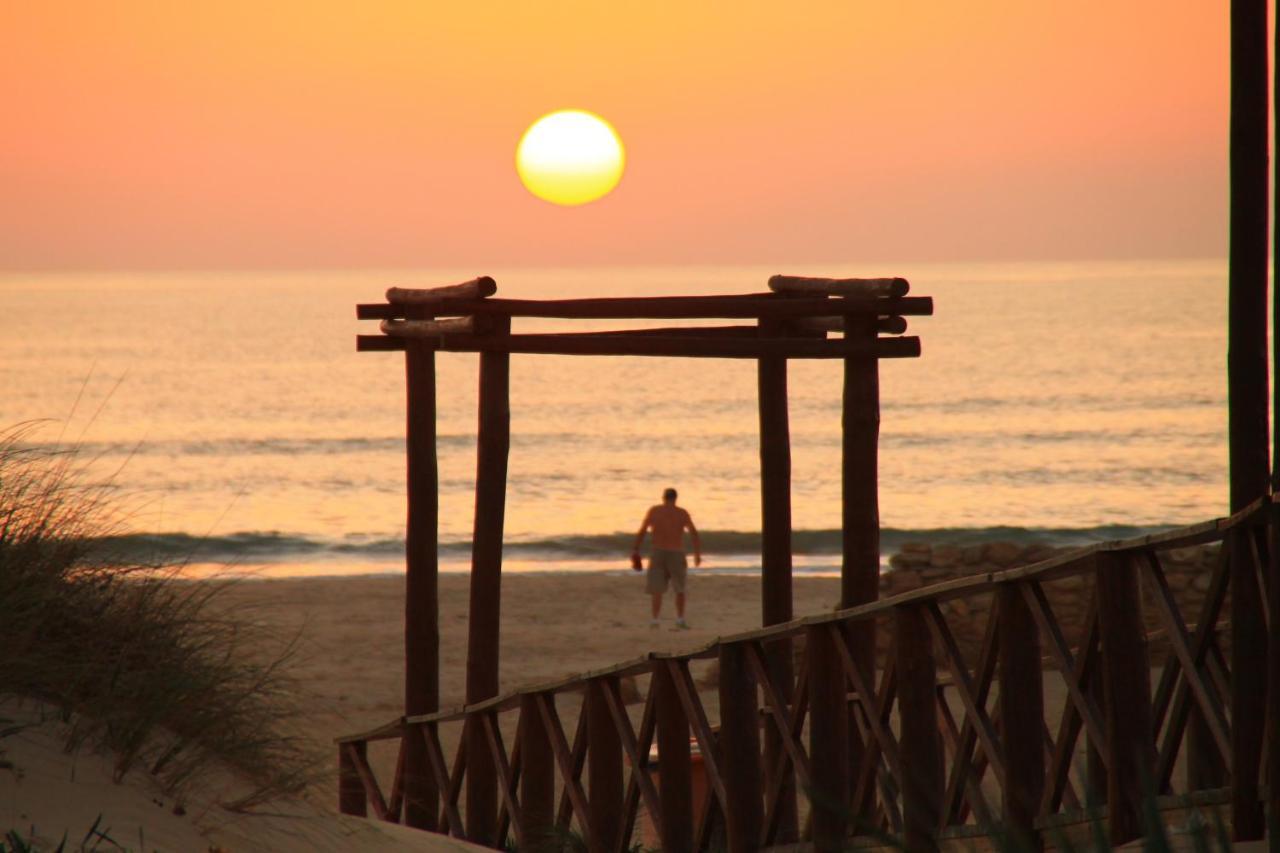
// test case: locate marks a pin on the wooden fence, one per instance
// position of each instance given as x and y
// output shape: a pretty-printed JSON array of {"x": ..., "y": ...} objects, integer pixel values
[{"x": 928, "y": 747}]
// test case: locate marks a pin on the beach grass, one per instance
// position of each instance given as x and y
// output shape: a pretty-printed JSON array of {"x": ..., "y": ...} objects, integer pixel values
[{"x": 138, "y": 662}]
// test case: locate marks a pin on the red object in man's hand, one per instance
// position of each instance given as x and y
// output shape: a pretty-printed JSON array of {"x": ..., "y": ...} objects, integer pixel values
[{"x": 635, "y": 561}]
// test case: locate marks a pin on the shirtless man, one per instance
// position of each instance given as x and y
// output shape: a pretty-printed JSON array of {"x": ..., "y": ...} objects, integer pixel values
[{"x": 667, "y": 563}]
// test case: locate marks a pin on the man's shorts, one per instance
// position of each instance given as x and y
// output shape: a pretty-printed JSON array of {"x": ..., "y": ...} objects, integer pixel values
[{"x": 666, "y": 566}]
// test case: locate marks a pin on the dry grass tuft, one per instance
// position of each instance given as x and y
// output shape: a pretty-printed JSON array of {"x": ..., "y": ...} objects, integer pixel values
[{"x": 134, "y": 657}]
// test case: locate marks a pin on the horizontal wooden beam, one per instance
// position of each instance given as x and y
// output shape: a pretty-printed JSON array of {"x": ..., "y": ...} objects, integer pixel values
[
  {"x": 674, "y": 347},
  {"x": 882, "y": 287},
  {"x": 754, "y": 305},
  {"x": 884, "y": 325},
  {"x": 476, "y": 288},
  {"x": 434, "y": 328}
]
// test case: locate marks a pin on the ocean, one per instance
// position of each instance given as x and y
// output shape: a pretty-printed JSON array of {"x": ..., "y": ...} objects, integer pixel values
[{"x": 1060, "y": 403}]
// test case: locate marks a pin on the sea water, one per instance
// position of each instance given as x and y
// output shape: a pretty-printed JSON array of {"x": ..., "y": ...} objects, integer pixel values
[{"x": 1061, "y": 403}]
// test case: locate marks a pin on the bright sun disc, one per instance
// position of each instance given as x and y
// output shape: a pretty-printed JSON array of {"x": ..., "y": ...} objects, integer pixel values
[{"x": 570, "y": 157}]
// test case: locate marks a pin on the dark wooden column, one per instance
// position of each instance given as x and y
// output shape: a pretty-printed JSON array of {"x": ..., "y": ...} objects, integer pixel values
[
  {"x": 828, "y": 740},
  {"x": 740, "y": 750},
  {"x": 1126, "y": 676},
  {"x": 537, "y": 778},
  {"x": 860, "y": 508},
  {"x": 775, "y": 529},
  {"x": 675, "y": 789},
  {"x": 352, "y": 798},
  {"x": 421, "y": 601},
  {"x": 1248, "y": 674},
  {"x": 1021, "y": 716},
  {"x": 920, "y": 741},
  {"x": 486, "y": 583},
  {"x": 1273, "y": 667},
  {"x": 604, "y": 772}
]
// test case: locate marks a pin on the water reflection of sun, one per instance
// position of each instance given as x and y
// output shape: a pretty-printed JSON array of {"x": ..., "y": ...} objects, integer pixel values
[{"x": 570, "y": 157}]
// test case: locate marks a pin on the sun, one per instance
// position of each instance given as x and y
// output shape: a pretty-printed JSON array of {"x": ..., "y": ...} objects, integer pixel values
[{"x": 570, "y": 157}]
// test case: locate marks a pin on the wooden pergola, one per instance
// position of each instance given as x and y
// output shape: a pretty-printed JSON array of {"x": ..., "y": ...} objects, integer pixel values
[{"x": 791, "y": 321}]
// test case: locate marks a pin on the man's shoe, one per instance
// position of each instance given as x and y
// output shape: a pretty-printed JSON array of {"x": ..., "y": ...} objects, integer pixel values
[
  {"x": 653, "y": 623},
  {"x": 682, "y": 625}
]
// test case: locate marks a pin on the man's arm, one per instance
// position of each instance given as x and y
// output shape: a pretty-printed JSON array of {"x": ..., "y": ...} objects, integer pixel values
[
  {"x": 693, "y": 534},
  {"x": 644, "y": 525}
]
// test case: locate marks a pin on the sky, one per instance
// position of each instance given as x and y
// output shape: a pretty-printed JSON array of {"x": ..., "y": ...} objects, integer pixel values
[{"x": 162, "y": 135}]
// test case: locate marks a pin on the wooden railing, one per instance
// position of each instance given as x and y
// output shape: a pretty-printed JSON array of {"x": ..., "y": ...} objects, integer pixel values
[{"x": 933, "y": 743}]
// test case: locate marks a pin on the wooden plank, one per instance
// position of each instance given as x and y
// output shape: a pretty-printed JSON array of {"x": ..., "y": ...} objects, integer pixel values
[
  {"x": 537, "y": 778},
  {"x": 782, "y": 718},
  {"x": 828, "y": 741},
  {"x": 432, "y": 328},
  {"x": 876, "y": 722},
  {"x": 578, "y": 760},
  {"x": 506, "y": 785},
  {"x": 1272, "y": 733},
  {"x": 451, "y": 821},
  {"x": 640, "y": 783},
  {"x": 674, "y": 768},
  {"x": 359, "y": 761},
  {"x": 920, "y": 741},
  {"x": 872, "y": 287},
  {"x": 1248, "y": 701},
  {"x": 568, "y": 761},
  {"x": 700, "y": 725},
  {"x": 1176, "y": 633},
  {"x": 740, "y": 748},
  {"x": 884, "y": 325},
  {"x": 676, "y": 346},
  {"x": 476, "y": 288},
  {"x": 780, "y": 796},
  {"x": 871, "y": 771},
  {"x": 492, "y": 446},
  {"x": 351, "y": 796},
  {"x": 1082, "y": 669},
  {"x": 1126, "y": 674},
  {"x": 421, "y": 594},
  {"x": 961, "y": 779},
  {"x": 604, "y": 770},
  {"x": 739, "y": 306},
  {"x": 945, "y": 642},
  {"x": 512, "y": 786},
  {"x": 457, "y": 828},
  {"x": 395, "y": 800},
  {"x": 1021, "y": 716}
]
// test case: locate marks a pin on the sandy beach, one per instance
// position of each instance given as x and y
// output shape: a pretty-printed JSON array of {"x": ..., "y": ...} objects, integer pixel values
[{"x": 351, "y": 657}]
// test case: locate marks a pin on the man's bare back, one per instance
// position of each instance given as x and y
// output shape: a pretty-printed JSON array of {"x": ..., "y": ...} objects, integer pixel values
[{"x": 667, "y": 523}]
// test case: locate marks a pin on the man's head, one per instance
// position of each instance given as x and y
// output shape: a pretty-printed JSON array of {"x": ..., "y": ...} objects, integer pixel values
[{"x": 669, "y": 496}]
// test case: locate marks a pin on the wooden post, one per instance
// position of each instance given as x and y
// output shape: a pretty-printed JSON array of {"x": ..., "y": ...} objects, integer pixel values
[
  {"x": 675, "y": 788},
  {"x": 1247, "y": 394},
  {"x": 1248, "y": 702},
  {"x": 828, "y": 741},
  {"x": 775, "y": 528},
  {"x": 421, "y": 598},
  {"x": 604, "y": 771},
  {"x": 1126, "y": 676},
  {"x": 860, "y": 508},
  {"x": 1021, "y": 716},
  {"x": 537, "y": 778},
  {"x": 1273, "y": 664},
  {"x": 920, "y": 743},
  {"x": 352, "y": 799},
  {"x": 740, "y": 750},
  {"x": 493, "y": 443}
]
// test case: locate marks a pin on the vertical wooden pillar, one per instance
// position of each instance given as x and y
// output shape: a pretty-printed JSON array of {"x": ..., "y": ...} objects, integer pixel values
[
  {"x": 1273, "y": 665},
  {"x": 1126, "y": 676},
  {"x": 537, "y": 778},
  {"x": 421, "y": 601},
  {"x": 486, "y": 584},
  {"x": 775, "y": 527},
  {"x": 860, "y": 509},
  {"x": 740, "y": 750},
  {"x": 828, "y": 740},
  {"x": 604, "y": 772},
  {"x": 1248, "y": 701},
  {"x": 352, "y": 799},
  {"x": 920, "y": 743},
  {"x": 1247, "y": 394},
  {"x": 675, "y": 784},
  {"x": 1021, "y": 716}
]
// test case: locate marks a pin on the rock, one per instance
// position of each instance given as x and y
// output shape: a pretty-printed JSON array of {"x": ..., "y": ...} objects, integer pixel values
[
  {"x": 933, "y": 575},
  {"x": 903, "y": 580},
  {"x": 909, "y": 560},
  {"x": 945, "y": 556},
  {"x": 1004, "y": 553},
  {"x": 959, "y": 607},
  {"x": 915, "y": 548}
]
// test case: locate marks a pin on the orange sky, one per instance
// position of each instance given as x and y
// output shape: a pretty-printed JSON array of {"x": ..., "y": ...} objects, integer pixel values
[{"x": 382, "y": 134}]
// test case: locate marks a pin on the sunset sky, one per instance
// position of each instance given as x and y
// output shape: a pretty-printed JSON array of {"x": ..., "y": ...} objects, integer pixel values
[{"x": 325, "y": 134}]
